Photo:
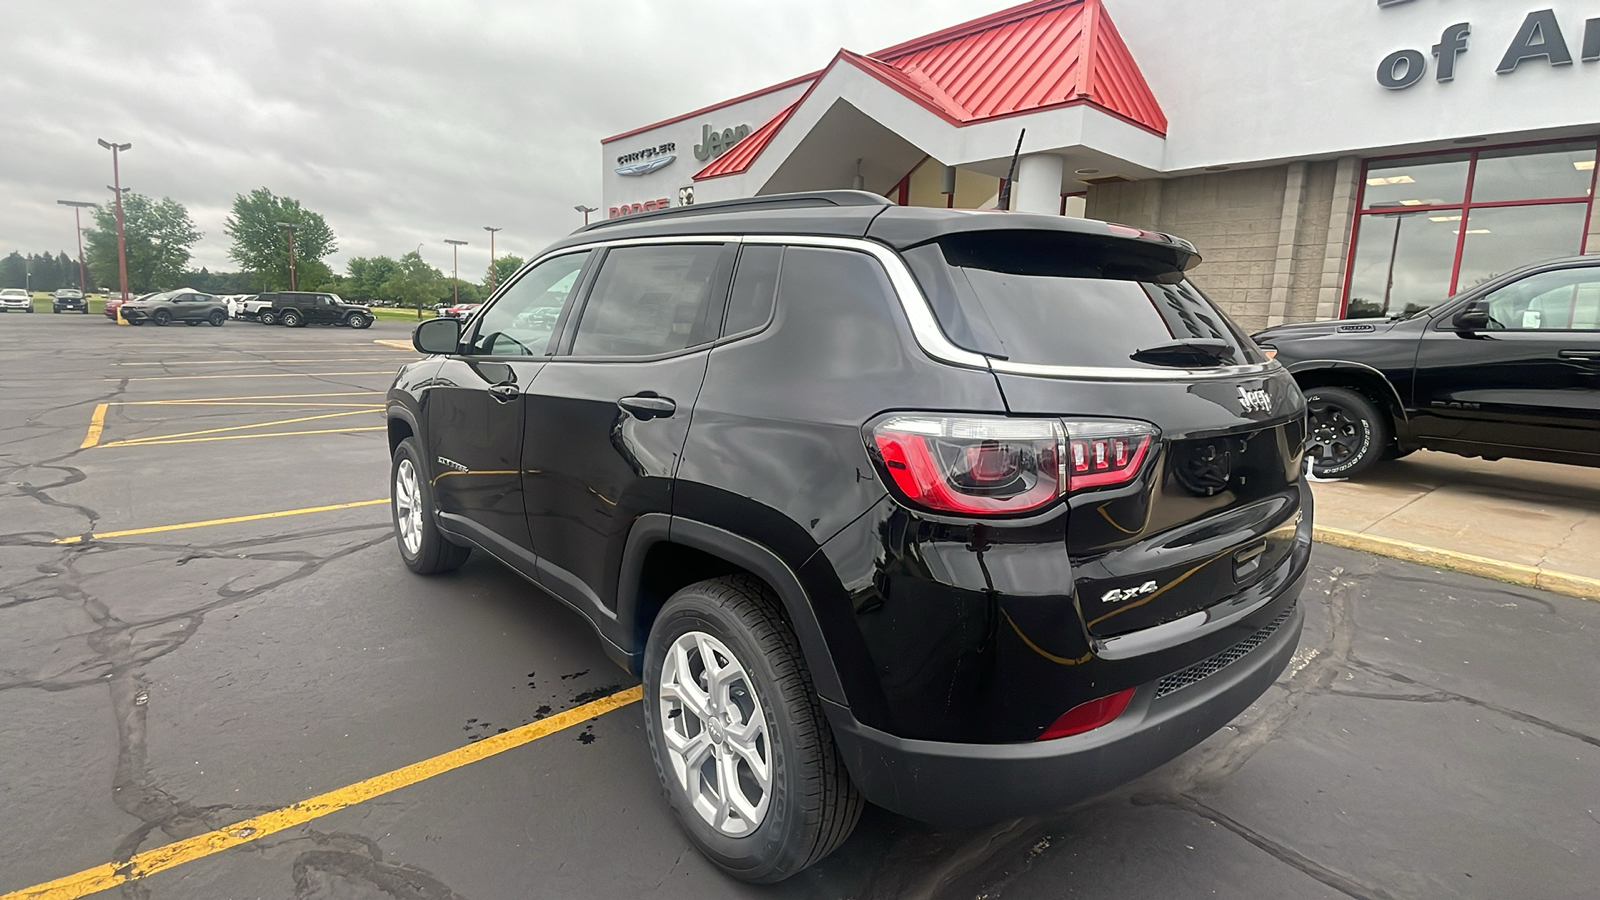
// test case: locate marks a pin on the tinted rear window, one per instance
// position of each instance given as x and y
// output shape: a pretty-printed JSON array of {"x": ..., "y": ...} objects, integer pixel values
[{"x": 1068, "y": 305}]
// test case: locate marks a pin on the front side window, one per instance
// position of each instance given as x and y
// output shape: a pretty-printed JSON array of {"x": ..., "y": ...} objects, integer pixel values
[
  {"x": 1564, "y": 300},
  {"x": 650, "y": 300},
  {"x": 522, "y": 320}
]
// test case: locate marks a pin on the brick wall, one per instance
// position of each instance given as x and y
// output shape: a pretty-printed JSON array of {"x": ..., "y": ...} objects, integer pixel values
[{"x": 1232, "y": 217}]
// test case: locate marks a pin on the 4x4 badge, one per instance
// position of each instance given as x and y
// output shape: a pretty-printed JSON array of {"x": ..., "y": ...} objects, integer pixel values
[
  {"x": 1117, "y": 595},
  {"x": 1254, "y": 400}
]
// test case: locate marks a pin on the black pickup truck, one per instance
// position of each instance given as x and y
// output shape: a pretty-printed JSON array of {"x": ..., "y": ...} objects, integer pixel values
[
  {"x": 298, "y": 308},
  {"x": 1510, "y": 367}
]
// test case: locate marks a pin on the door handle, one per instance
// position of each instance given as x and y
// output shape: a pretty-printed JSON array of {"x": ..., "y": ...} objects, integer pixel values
[
  {"x": 644, "y": 408},
  {"x": 1586, "y": 355},
  {"x": 505, "y": 393}
]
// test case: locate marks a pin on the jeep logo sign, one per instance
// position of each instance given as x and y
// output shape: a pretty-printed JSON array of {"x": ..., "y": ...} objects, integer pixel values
[{"x": 1539, "y": 37}]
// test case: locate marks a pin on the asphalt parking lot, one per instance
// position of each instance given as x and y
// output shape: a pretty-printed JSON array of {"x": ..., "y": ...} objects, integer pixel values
[{"x": 1437, "y": 735}]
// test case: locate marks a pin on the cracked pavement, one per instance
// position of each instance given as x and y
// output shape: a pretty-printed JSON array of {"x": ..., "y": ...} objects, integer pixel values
[{"x": 1436, "y": 735}]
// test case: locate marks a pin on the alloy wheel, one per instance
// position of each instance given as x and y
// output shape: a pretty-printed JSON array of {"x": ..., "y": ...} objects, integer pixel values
[
  {"x": 408, "y": 507},
  {"x": 1335, "y": 435},
  {"x": 716, "y": 734}
]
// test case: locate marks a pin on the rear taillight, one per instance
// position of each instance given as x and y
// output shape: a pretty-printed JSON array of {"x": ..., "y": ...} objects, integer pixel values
[
  {"x": 1088, "y": 716},
  {"x": 997, "y": 466}
]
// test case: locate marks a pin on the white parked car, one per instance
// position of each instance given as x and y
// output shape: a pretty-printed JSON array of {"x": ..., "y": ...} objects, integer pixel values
[{"x": 16, "y": 299}]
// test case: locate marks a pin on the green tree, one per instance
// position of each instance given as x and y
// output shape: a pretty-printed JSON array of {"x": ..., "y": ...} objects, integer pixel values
[
  {"x": 13, "y": 271},
  {"x": 369, "y": 275},
  {"x": 416, "y": 284},
  {"x": 260, "y": 244},
  {"x": 159, "y": 235},
  {"x": 501, "y": 271}
]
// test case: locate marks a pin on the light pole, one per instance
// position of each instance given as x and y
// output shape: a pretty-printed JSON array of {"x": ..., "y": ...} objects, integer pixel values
[
  {"x": 116, "y": 188},
  {"x": 491, "y": 231},
  {"x": 455, "y": 269},
  {"x": 83, "y": 274},
  {"x": 586, "y": 210},
  {"x": 290, "y": 227}
]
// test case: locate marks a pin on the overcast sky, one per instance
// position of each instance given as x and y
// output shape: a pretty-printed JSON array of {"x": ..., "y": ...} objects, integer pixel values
[{"x": 401, "y": 121}]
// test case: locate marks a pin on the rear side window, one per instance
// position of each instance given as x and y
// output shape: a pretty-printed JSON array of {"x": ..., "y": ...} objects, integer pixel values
[
  {"x": 648, "y": 301},
  {"x": 1084, "y": 304},
  {"x": 755, "y": 285}
]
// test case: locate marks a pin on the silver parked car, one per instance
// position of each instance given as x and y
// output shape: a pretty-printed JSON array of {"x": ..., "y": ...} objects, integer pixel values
[{"x": 186, "y": 306}]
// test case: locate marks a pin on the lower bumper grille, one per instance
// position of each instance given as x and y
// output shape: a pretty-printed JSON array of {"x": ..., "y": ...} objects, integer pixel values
[{"x": 1211, "y": 665}]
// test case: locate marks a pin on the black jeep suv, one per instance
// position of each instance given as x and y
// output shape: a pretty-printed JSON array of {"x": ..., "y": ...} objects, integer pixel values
[
  {"x": 1508, "y": 368},
  {"x": 298, "y": 308},
  {"x": 967, "y": 515}
]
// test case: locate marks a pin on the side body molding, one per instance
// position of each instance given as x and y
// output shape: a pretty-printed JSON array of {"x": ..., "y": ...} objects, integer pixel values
[{"x": 654, "y": 528}]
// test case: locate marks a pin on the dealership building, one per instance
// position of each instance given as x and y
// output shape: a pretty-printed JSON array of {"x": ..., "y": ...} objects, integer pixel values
[{"x": 1336, "y": 158}]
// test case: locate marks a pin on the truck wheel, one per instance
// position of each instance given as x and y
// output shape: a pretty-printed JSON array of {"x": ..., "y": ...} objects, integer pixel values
[
  {"x": 739, "y": 738},
  {"x": 423, "y": 548},
  {"x": 267, "y": 317},
  {"x": 357, "y": 320},
  {"x": 216, "y": 318},
  {"x": 161, "y": 317},
  {"x": 1347, "y": 432},
  {"x": 291, "y": 319}
]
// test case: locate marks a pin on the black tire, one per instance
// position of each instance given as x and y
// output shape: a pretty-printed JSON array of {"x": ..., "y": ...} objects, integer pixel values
[
  {"x": 1347, "y": 433},
  {"x": 161, "y": 317},
  {"x": 55, "y": 310},
  {"x": 433, "y": 553},
  {"x": 134, "y": 322},
  {"x": 292, "y": 318},
  {"x": 267, "y": 317},
  {"x": 812, "y": 807},
  {"x": 359, "y": 320},
  {"x": 216, "y": 318}
]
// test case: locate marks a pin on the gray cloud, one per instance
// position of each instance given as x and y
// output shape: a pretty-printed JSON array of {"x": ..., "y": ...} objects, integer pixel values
[{"x": 401, "y": 121}]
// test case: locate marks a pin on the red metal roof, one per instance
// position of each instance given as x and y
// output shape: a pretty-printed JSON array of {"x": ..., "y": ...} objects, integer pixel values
[{"x": 1040, "y": 55}]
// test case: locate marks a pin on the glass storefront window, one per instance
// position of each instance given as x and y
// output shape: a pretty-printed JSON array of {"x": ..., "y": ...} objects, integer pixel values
[
  {"x": 1562, "y": 171},
  {"x": 1501, "y": 238},
  {"x": 1403, "y": 263},
  {"x": 1428, "y": 181},
  {"x": 1420, "y": 239}
]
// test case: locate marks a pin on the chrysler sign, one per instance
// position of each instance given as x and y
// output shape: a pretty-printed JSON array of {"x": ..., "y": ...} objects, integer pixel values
[{"x": 1539, "y": 38}]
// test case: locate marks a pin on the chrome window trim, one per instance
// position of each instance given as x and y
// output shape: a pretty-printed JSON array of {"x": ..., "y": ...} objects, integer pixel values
[{"x": 919, "y": 313}]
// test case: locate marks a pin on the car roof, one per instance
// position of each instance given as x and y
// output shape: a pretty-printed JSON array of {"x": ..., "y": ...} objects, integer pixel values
[{"x": 856, "y": 214}]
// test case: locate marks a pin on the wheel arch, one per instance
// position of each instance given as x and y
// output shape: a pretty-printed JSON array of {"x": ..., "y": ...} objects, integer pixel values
[
  {"x": 1364, "y": 379},
  {"x": 401, "y": 426},
  {"x": 667, "y": 553}
]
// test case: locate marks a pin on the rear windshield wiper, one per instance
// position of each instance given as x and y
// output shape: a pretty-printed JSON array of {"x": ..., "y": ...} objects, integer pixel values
[{"x": 1187, "y": 352}]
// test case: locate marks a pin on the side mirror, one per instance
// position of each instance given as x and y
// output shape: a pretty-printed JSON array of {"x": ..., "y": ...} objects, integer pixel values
[
  {"x": 1475, "y": 317},
  {"x": 434, "y": 336}
]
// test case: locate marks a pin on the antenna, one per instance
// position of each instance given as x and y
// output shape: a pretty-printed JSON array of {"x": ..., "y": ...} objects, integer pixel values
[{"x": 1005, "y": 187}]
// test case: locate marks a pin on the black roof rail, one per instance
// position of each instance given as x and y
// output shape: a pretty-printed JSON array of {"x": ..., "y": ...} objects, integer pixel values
[{"x": 770, "y": 201}]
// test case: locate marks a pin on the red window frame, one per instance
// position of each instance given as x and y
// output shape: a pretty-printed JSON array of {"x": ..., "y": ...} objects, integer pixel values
[{"x": 1466, "y": 206}]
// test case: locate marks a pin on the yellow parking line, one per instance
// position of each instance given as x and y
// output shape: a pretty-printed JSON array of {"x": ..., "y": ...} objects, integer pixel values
[
  {"x": 398, "y": 345},
  {"x": 245, "y": 437},
  {"x": 228, "y": 521},
  {"x": 97, "y": 424},
  {"x": 150, "y": 862},
  {"x": 265, "y": 375},
  {"x": 187, "y": 434}
]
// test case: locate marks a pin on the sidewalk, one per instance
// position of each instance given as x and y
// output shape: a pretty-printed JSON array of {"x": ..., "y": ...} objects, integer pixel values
[{"x": 1537, "y": 515}]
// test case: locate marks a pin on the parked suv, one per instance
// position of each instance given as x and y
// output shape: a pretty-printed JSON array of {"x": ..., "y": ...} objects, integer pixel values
[
  {"x": 966, "y": 515},
  {"x": 1508, "y": 368},
  {"x": 69, "y": 299},
  {"x": 182, "y": 305},
  {"x": 298, "y": 308},
  {"x": 15, "y": 299}
]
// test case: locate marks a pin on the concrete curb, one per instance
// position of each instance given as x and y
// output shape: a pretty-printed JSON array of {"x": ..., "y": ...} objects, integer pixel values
[{"x": 1500, "y": 570}]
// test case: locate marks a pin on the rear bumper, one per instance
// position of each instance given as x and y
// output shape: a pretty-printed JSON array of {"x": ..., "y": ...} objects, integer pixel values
[{"x": 956, "y": 785}]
